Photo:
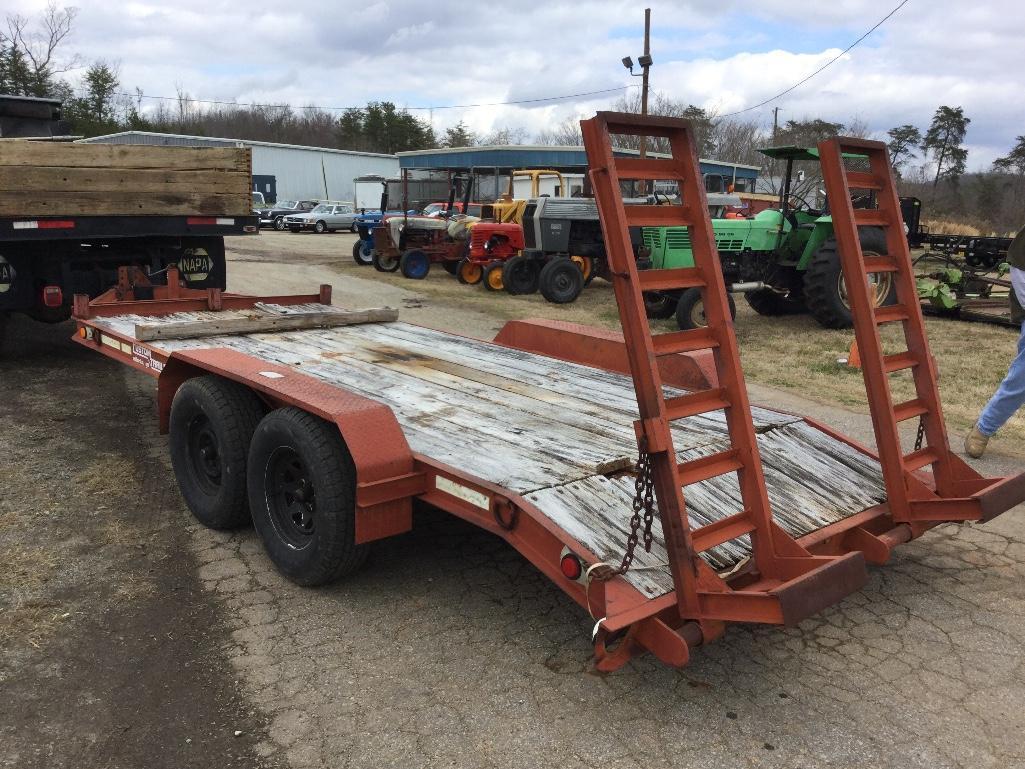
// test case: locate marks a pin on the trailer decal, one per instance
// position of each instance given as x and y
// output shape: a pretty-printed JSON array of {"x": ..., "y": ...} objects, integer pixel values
[{"x": 464, "y": 493}]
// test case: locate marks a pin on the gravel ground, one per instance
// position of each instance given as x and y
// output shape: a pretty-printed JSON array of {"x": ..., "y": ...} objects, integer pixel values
[{"x": 448, "y": 649}]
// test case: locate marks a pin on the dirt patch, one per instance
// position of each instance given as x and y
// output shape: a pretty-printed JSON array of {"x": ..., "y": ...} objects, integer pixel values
[{"x": 110, "y": 652}]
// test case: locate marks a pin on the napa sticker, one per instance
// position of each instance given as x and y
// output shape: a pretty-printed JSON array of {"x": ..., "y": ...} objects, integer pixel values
[
  {"x": 195, "y": 264},
  {"x": 6, "y": 275}
]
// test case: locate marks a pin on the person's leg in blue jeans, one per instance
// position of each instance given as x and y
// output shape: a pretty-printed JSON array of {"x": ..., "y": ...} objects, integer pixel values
[{"x": 1009, "y": 397}]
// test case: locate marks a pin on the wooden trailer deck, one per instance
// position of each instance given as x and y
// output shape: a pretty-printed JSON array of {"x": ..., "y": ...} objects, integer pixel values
[{"x": 556, "y": 433}]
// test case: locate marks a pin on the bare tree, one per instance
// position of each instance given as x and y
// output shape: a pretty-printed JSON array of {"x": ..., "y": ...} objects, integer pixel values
[
  {"x": 564, "y": 134},
  {"x": 39, "y": 43}
]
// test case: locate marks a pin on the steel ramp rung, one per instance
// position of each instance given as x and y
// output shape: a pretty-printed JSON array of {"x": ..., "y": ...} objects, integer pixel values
[
  {"x": 891, "y": 313},
  {"x": 649, "y": 169},
  {"x": 695, "y": 403},
  {"x": 668, "y": 280},
  {"x": 659, "y": 216},
  {"x": 684, "y": 341},
  {"x": 916, "y": 460},
  {"x": 860, "y": 180},
  {"x": 714, "y": 534},
  {"x": 899, "y": 362},
  {"x": 872, "y": 217},
  {"x": 880, "y": 264},
  {"x": 909, "y": 410},
  {"x": 711, "y": 466}
]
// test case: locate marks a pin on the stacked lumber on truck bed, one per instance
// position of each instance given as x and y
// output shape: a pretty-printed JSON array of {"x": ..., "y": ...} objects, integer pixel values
[{"x": 58, "y": 179}]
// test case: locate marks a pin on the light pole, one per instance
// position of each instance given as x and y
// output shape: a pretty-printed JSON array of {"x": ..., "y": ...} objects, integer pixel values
[{"x": 644, "y": 62}]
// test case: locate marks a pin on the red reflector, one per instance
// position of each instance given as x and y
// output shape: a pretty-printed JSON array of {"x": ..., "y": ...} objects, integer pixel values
[
  {"x": 201, "y": 220},
  {"x": 56, "y": 224},
  {"x": 53, "y": 296},
  {"x": 571, "y": 566}
]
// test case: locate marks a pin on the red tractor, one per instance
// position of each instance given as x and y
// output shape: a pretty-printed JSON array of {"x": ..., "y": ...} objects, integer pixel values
[{"x": 491, "y": 245}]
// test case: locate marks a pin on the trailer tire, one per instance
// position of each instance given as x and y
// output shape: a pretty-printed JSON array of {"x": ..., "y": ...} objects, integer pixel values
[
  {"x": 415, "y": 264},
  {"x": 520, "y": 275},
  {"x": 384, "y": 263},
  {"x": 690, "y": 311},
  {"x": 302, "y": 491},
  {"x": 212, "y": 422},
  {"x": 493, "y": 277},
  {"x": 822, "y": 279},
  {"x": 362, "y": 253},
  {"x": 561, "y": 281}
]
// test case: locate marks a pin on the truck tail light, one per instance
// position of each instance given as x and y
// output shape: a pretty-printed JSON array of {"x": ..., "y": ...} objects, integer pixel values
[{"x": 53, "y": 296}]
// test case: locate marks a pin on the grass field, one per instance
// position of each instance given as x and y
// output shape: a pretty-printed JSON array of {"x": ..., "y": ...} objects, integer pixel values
[{"x": 792, "y": 353}]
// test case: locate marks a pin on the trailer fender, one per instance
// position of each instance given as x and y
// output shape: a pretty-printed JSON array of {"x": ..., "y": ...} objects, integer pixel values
[
  {"x": 386, "y": 473},
  {"x": 603, "y": 349}
]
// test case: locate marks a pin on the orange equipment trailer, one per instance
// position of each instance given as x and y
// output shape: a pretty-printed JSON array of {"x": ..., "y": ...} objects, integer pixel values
[{"x": 329, "y": 423}]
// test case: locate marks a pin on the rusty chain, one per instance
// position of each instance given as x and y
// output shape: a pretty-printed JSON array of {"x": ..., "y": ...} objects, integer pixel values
[
  {"x": 643, "y": 503},
  {"x": 921, "y": 433}
]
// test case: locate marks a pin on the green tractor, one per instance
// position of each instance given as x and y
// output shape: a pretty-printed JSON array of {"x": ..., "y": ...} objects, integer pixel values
[{"x": 784, "y": 261}]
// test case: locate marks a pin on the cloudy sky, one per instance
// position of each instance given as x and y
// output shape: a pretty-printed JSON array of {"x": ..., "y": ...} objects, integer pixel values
[{"x": 725, "y": 56}]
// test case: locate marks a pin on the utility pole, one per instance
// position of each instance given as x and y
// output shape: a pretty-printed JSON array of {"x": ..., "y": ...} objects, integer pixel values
[
  {"x": 646, "y": 65},
  {"x": 775, "y": 123}
]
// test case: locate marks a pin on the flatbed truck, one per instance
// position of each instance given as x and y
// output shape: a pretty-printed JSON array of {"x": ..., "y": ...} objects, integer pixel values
[{"x": 324, "y": 425}]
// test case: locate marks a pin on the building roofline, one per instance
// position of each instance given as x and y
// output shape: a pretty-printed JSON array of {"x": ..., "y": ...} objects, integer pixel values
[
  {"x": 552, "y": 148},
  {"x": 237, "y": 141}
]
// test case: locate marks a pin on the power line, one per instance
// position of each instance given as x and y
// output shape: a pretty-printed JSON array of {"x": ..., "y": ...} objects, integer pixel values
[
  {"x": 836, "y": 58},
  {"x": 342, "y": 109}
]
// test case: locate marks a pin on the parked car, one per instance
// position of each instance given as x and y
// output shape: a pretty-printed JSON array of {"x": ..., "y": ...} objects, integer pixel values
[
  {"x": 326, "y": 217},
  {"x": 274, "y": 216}
]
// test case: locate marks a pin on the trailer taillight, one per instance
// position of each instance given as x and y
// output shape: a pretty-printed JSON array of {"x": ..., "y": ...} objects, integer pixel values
[
  {"x": 53, "y": 296},
  {"x": 571, "y": 567}
]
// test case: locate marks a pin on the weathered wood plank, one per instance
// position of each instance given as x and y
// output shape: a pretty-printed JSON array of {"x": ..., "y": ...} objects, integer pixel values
[
  {"x": 261, "y": 323},
  {"x": 64, "y": 154},
  {"x": 138, "y": 180},
  {"x": 127, "y": 202}
]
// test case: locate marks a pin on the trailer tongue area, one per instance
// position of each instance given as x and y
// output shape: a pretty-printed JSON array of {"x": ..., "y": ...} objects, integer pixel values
[{"x": 631, "y": 470}]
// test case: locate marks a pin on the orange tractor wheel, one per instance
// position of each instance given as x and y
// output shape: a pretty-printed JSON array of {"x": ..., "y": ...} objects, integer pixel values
[
  {"x": 493, "y": 277},
  {"x": 586, "y": 265},
  {"x": 469, "y": 273}
]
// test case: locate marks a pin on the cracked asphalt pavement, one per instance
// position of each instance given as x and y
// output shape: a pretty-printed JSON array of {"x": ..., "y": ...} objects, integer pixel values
[{"x": 449, "y": 650}]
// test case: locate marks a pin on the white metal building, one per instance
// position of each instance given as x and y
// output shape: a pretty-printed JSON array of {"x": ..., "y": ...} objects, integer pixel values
[{"x": 283, "y": 171}]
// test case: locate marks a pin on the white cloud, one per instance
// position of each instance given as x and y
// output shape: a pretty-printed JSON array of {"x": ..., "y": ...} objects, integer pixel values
[{"x": 724, "y": 55}]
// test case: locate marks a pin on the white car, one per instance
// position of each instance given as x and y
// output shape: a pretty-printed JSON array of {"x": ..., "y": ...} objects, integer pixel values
[{"x": 326, "y": 217}]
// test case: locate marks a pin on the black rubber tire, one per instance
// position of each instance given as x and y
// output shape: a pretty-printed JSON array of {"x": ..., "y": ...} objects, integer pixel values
[
  {"x": 320, "y": 228},
  {"x": 821, "y": 281},
  {"x": 688, "y": 307},
  {"x": 658, "y": 305},
  {"x": 494, "y": 277},
  {"x": 209, "y": 408},
  {"x": 765, "y": 301},
  {"x": 385, "y": 264},
  {"x": 328, "y": 549},
  {"x": 359, "y": 257},
  {"x": 561, "y": 281},
  {"x": 520, "y": 275},
  {"x": 353, "y": 228},
  {"x": 451, "y": 266},
  {"x": 295, "y": 230},
  {"x": 279, "y": 223}
]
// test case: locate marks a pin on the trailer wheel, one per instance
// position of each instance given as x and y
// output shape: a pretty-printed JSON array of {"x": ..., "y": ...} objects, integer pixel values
[
  {"x": 561, "y": 281},
  {"x": 824, "y": 286},
  {"x": 659, "y": 305},
  {"x": 469, "y": 273},
  {"x": 690, "y": 309},
  {"x": 415, "y": 264},
  {"x": 302, "y": 491},
  {"x": 212, "y": 423},
  {"x": 384, "y": 263},
  {"x": 520, "y": 275},
  {"x": 493, "y": 277},
  {"x": 362, "y": 253}
]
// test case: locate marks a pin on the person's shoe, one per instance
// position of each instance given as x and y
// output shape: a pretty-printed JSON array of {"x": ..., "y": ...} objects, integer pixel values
[{"x": 975, "y": 442}]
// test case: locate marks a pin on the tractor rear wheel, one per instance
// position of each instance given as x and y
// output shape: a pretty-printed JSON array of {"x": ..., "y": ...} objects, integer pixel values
[
  {"x": 384, "y": 263},
  {"x": 659, "y": 305},
  {"x": 520, "y": 275},
  {"x": 690, "y": 309},
  {"x": 561, "y": 281},
  {"x": 493, "y": 277},
  {"x": 469, "y": 273},
  {"x": 824, "y": 285},
  {"x": 415, "y": 264},
  {"x": 765, "y": 301}
]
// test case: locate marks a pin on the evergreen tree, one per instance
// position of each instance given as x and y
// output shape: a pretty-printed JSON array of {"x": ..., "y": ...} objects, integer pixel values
[
  {"x": 904, "y": 140},
  {"x": 943, "y": 140}
]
